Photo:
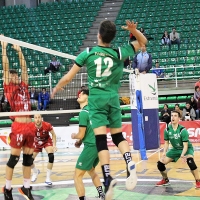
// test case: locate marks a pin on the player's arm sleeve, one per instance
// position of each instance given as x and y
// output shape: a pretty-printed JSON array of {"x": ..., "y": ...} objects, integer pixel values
[
  {"x": 126, "y": 51},
  {"x": 80, "y": 59},
  {"x": 166, "y": 136},
  {"x": 184, "y": 135},
  {"x": 50, "y": 127},
  {"x": 83, "y": 118}
]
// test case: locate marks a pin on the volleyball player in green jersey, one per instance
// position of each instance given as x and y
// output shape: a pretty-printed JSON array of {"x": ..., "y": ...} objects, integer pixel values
[
  {"x": 178, "y": 136},
  {"x": 105, "y": 67},
  {"x": 88, "y": 158}
]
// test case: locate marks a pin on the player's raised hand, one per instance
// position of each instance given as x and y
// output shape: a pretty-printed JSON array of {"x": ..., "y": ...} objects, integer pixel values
[
  {"x": 130, "y": 25},
  {"x": 16, "y": 47},
  {"x": 55, "y": 90},
  {"x": 3, "y": 43}
]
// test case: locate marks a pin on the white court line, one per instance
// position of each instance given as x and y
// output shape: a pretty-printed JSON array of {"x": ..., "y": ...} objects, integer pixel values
[
  {"x": 140, "y": 161},
  {"x": 71, "y": 182}
]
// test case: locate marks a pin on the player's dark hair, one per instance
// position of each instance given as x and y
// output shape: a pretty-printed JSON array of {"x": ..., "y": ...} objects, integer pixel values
[
  {"x": 196, "y": 87},
  {"x": 174, "y": 111},
  {"x": 85, "y": 91},
  {"x": 107, "y": 30},
  {"x": 13, "y": 71}
]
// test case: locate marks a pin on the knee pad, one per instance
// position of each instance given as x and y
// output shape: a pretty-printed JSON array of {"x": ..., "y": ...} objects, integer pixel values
[
  {"x": 27, "y": 160},
  {"x": 13, "y": 160},
  {"x": 101, "y": 142},
  {"x": 51, "y": 157},
  {"x": 117, "y": 138},
  {"x": 191, "y": 164},
  {"x": 161, "y": 166}
]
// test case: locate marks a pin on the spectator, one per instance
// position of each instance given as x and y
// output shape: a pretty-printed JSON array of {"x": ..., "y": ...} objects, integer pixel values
[
  {"x": 33, "y": 97},
  {"x": 165, "y": 38},
  {"x": 197, "y": 93},
  {"x": 197, "y": 83},
  {"x": 43, "y": 99},
  {"x": 142, "y": 61},
  {"x": 198, "y": 108},
  {"x": 177, "y": 108},
  {"x": 83, "y": 87},
  {"x": 193, "y": 103},
  {"x": 188, "y": 113},
  {"x": 174, "y": 38},
  {"x": 165, "y": 114},
  {"x": 54, "y": 66},
  {"x": 159, "y": 72}
]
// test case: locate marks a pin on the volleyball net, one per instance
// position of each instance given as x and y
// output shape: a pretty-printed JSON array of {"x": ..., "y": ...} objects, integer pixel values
[{"x": 44, "y": 68}]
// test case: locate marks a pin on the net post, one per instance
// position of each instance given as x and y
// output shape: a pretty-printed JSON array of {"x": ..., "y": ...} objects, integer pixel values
[{"x": 50, "y": 83}]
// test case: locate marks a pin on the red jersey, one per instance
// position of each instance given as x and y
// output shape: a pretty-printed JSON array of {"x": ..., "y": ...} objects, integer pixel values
[
  {"x": 43, "y": 132},
  {"x": 18, "y": 96}
]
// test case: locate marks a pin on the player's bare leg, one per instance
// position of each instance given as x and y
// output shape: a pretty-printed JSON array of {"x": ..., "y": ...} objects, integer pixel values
[
  {"x": 35, "y": 170},
  {"x": 162, "y": 169},
  {"x": 97, "y": 183},
  {"x": 195, "y": 172},
  {"x": 50, "y": 152},
  {"x": 78, "y": 181},
  {"x": 104, "y": 157}
]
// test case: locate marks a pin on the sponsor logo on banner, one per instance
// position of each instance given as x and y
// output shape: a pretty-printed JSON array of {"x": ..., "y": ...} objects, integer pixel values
[
  {"x": 153, "y": 89},
  {"x": 149, "y": 90}
]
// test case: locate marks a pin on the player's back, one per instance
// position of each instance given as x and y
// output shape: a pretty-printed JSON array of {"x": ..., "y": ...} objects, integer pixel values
[{"x": 104, "y": 69}]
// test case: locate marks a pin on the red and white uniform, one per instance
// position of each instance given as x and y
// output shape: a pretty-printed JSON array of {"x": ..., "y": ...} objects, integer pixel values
[
  {"x": 22, "y": 134},
  {"x": 18, "y": 96},
  {"x": 42, "y": 137}
]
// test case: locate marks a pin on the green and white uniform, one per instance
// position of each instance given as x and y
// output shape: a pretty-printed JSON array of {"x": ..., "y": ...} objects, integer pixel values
[
  {"x": 89, "y": 156},
  {"x": 105, "y": 68},
  {"x": 176, "y": 139}
]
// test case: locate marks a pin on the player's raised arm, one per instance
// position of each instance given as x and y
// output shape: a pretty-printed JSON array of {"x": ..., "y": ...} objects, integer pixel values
[
  {"x": 132, "y": 27},
  {"x": 5, "y": 62},
  {"x": 66, "y": 79},
  {"x": 22, "y": 61}
]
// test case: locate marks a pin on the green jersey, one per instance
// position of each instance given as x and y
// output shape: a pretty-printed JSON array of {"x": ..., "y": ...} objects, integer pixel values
[
  {"x": 177, "y": 137},
  {"x": 104, "y": 67},
  {"x": 84, "y": 121}
]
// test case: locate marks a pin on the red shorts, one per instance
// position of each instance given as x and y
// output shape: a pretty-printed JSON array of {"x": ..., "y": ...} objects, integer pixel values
[
  {"x": 22, "y": 135},
  {"x": 39, "y": 145}
]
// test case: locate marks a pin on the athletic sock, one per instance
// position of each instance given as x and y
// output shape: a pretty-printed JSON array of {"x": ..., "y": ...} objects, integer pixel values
[
  {"x": 100, "y": 191},
  {"x": 35, "y": 170},
  {"x": 82, "y": 198},
  {"x": 127, "y": 157},
  {"x": 8, "y": 184},
  {"x": 27, "y": 183},
  {"x": 48, "y": 173},
  {"x": 106, "y": 171}
]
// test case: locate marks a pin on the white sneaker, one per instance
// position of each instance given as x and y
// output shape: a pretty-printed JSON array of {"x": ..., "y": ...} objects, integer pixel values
[
  {"x": 131, "y": 181},
  {"x": 109, "y": 187},
  {"x": 34, "y": 176},
  {"x": 48, "y": 181}
]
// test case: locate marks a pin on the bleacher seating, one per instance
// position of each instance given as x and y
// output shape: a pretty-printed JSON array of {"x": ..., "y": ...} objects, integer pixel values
[
  {"x": 157, "y": 16},
  {"x": 60, "y": 26}
]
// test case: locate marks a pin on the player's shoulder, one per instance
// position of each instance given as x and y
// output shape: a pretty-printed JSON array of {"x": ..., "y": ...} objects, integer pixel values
[
  {"x": 182, "y": 128},
  {"x": 85, "y": 109},
  {"x": 46, "y": 124}
]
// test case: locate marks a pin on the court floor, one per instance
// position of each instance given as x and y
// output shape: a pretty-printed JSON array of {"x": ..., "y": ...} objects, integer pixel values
[{"x": 181, "y": 188}]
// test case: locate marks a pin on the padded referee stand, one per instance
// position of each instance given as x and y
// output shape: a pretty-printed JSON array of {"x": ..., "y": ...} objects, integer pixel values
[{"x": 144, "y": 112}]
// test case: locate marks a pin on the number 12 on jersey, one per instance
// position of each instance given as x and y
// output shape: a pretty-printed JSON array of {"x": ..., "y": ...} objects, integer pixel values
[{"x": 108, "y": 62}]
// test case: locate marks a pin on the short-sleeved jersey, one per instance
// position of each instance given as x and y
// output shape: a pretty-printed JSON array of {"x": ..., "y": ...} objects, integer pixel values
[
  {"x": 177, "y": 137},
  {"x": 84, "y": 121},
  {"x": 104, "y": 67},
  {"x": 42, "y": 133},
  {"x": 18, "y": 96}
]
